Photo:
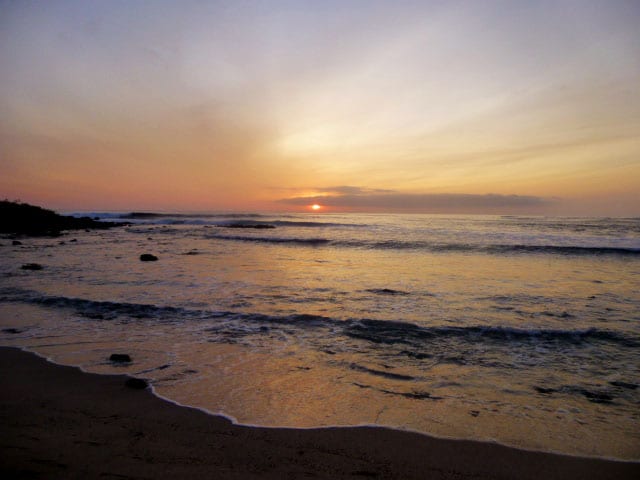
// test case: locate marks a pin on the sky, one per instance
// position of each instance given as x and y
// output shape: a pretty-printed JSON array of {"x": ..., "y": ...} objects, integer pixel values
[{"x": 408, "y": 106}]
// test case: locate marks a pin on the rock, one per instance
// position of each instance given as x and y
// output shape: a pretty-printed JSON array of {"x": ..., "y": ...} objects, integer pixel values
[
  {"x": 11, "y": 330},
  {"x": 545, "y": 391},
  {"x": 16, "y": 242},
  {"x": 147, "y": 257},
  {"x": 597, "y": 397},
  {"x": 136, "y": 383},
  {"x": 627, "y": 385},
  {"x": 25, "y": 219},
  {"x": 120, "y": 357},
  {"x": 31, "y": 266},
  {"x": 257, "y": 226},
  {"x": 73, "y": 240},
  {"x": 386, "y": 291}
]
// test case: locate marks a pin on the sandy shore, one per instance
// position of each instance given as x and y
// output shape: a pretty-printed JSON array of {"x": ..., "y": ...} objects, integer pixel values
[{"x": 58, "y": 422}]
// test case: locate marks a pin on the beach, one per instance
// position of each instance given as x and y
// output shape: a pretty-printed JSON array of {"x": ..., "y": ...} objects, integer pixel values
[{"x": 59, "y": 422}]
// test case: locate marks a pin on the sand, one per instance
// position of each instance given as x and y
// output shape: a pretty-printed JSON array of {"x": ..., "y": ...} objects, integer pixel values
[{"x": 59, "y": 422}]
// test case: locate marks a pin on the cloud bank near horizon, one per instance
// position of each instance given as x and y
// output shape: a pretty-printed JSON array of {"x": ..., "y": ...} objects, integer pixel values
[{"x": 358, "y": 198}]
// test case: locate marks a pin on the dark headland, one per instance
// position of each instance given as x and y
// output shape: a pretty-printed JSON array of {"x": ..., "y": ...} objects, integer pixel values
[
  {"x": 24, "y": 219},
  {"x": 60, "y": 423}
]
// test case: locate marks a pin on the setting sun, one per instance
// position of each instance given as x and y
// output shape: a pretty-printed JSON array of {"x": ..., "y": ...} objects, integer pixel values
[{"x": 315, "y": 206}]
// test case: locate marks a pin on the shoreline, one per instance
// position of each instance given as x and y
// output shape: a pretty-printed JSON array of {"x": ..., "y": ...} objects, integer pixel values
[{"x": 61, "y": 422}]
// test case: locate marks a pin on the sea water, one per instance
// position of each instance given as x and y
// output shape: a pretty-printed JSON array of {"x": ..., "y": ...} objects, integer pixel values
[{"x": 520, "y": 330}]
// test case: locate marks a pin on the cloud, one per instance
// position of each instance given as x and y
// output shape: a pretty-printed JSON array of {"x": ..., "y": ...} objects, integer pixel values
[
  {"x": 351, "y": 190},
  {"x": 365, "y": 199}
]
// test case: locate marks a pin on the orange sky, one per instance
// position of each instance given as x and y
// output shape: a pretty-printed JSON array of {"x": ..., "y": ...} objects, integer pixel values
[{"x": 470, "y": 107}]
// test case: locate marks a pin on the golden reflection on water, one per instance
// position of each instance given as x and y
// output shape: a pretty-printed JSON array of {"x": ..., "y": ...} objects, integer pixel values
[
  {"x": 285, "y": 382},
  {"x": 300, "y": 389}
]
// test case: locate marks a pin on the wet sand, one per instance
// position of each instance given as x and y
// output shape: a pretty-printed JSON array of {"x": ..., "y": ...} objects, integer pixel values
[{"x": 58, "y": 422}]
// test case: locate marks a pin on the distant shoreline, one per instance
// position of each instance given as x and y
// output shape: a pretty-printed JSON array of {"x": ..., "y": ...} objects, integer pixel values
[{"x": 59, "y": 422}]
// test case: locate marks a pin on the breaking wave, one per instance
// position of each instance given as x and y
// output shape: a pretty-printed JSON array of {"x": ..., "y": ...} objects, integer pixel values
[{"x": 373, "y": 331}]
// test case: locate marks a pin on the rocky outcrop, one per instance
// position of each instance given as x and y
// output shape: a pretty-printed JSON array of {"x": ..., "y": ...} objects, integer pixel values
[{"x": 24, "y": 219}]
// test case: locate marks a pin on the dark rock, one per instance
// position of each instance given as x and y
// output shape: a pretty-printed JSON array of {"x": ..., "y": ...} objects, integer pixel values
[
  {"x": 25, "y": 219},
  {"x": 416, "y": 355},
  {"x": 73, "y": 240},
  {"x": 136, "y": 383},
  {"x": 120, "y": 357},
  {"x": 597, "y": 397},
  {"x": 16, "y": 242},
  {"x": 386, "y": 291},
  {"x": 544, "y": 390},
  {"x": 593, "y": 396},
  {"x": 31, "y": 266},
  {"x": 147, "y": 257},
  {"x": 141, "y": 215},
  {"x": 11, "y": 330},
  {"x": 418, "y": 395},
  {"x": 258, "y": 226},
  {"x": 62, "y": 243},
  {"x": 629, "y": 386}
]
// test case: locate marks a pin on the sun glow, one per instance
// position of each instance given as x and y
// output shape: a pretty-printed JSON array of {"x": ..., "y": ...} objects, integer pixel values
[{"x": 315, "y": 207}]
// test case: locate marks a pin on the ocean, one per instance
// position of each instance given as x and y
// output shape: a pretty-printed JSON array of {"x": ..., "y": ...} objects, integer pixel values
[{"x": 519, "y": 330}]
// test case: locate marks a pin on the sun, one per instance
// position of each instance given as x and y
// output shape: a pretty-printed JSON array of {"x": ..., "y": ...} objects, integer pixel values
[{"x": 315, "y": 207}]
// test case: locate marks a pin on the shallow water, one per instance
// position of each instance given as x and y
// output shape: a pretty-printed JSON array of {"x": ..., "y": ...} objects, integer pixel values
[{"x": 515, "y": 329}]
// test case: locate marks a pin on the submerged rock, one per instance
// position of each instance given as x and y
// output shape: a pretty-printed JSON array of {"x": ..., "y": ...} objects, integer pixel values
[
  {"x": 120, "y": 357},
  {"x": 386, "y": 291},
  {"x": 545, "y": 391},
  {"x": 627, "y": 385},
  {"x": 11, "y": 330},
  {"x": 31, "y": 266},
  {"x": 16, "y": 242},
  {"x": 597, "y": 397},
  {"x": 257, "y": 226},
  {"x": 147, "y": 257}
]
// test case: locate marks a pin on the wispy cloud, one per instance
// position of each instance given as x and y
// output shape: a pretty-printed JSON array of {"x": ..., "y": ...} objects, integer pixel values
[{"x": 358, "y": 198}]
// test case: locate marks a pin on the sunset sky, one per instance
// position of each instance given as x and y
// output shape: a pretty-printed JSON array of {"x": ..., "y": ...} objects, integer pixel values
[{"x": 424, "y": 106}]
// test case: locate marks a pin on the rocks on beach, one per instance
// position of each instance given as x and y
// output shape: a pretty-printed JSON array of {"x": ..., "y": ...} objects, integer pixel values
[
  {"x": 120, "y": 358},
  {"x": 11, "y": 330},
  {"x": 147, "y": 257},
  {"x": 31, "y": 266}
]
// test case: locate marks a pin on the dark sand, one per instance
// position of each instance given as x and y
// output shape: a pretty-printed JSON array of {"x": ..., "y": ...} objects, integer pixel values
[{"x": 58, "y": 422}]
